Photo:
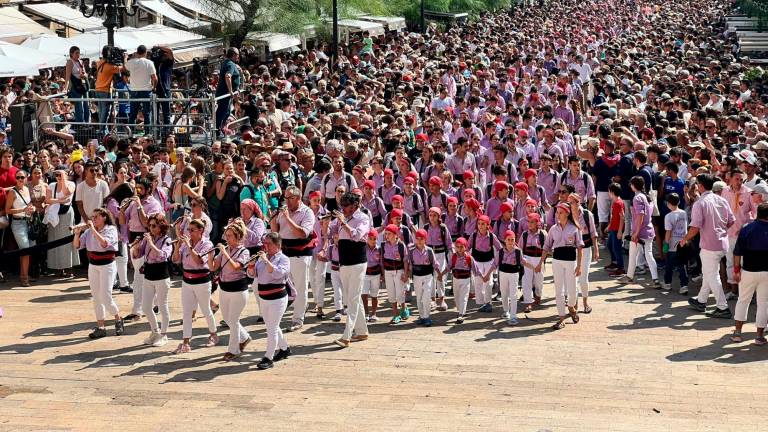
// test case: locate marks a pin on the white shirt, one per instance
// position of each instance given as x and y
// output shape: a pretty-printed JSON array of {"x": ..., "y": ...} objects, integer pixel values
[
  {"x": 141, "y": 70},
  {"x": 92, "y": 197}
]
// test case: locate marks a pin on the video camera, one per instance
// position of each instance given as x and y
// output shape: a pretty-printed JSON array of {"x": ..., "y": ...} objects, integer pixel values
[
  {"x": 114, "y": 55},
  {"x": 161, "y": 55}
]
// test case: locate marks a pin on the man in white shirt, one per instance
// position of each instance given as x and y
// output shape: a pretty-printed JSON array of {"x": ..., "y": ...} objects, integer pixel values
[
  {"x": 91, "y": 192},
  {"x": 142, "y": 83}
]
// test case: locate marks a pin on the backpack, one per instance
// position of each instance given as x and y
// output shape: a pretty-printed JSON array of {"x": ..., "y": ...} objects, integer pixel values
[
  {"x": 380, "y": 191},
  {"x": 347, "y": 179},
  {"x": 541, "y": 238},
  {"x": 431, "y": 257},
  {"x": 584, "y": 176},
  {"x": 518, "y": 256},
  {"x": 474, "y": 236}
]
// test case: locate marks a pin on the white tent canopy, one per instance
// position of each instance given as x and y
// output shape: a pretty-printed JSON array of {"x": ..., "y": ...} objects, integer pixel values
[
  {"x": 14, "y": 67},
  {"x": 392, "y": 23},
  {"x": 274, "y": 41},
  {"x": 91, "y": 43},
  {"x": 168, "y": 13},
  {"x": 52, "y": 45},
  {"x": 40, "y": 59},
  {"x": 350, "y": 26},
  {"x": 64, "y": 15},
  {"x": 158, "y": 34},
  {"x": 15, "y": 26},
  {"x": 226, "y": 12}
]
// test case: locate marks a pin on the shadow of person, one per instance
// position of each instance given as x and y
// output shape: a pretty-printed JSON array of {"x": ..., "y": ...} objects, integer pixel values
[{"x": 722, "y": 350}]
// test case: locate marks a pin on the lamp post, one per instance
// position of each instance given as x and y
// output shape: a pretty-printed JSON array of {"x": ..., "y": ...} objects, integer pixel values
[
  {"x": 111, "y": 11},
  {"x": 422, "y": 25},
  {"x": 335, "y": 42}
]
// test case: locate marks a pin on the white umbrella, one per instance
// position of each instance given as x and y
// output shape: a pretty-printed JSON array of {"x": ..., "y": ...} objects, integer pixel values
[
  {"x": 49, "y": 44},
  {"x": 91, "y": 43},
  {"x": 28, "y": 55},
  {"x": 15, "y": 67}
]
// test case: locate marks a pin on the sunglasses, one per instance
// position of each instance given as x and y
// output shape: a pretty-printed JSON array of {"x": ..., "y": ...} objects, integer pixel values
[{"x": 20, "y": 177}]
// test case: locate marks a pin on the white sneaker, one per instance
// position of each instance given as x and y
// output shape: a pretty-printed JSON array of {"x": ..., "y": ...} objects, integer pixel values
[
  {"x": 337, "y": 317},
  {"x": 683, "y": 290},
  {"x": 149, "y": 340},
  {"x": 512, "y": 321},
  {"x": 373, "y": 318},
  {"x": 160, "y": 341},
  {"x": 505, "y": 315}
]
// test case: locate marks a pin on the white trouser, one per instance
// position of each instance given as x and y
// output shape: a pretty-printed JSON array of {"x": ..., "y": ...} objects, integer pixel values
[
  {"x": 627, "y": 220},
  {"x": 395, "y": 286},
  {"x": 272, "y": 311},
  {"x": 483, "y": 290},
  {"x": 160, "y": 289},
  {"x": 645, "y": 250},
  {"x": 232, "y": 305},
  {"x": 564, "y": 275},
  {"x": 122, "y": 269},
  {"x": 532, "y": 281},
  {"x": 101, "y": 278},
  {"x": 461, "y": 294},
  {"x": 192, "y": 296},
  {"x": 424, "y": 287},
  {"x": 299, "y": 273},
  {"x": 352, "y": 280},
  {"x": 710, "y": 272},
  {"x": 508, "y": 289},
  {"x": 338, "y": 289},
  {"x": 441, "y": 262},
  {"x": 753, "y": 283},
  {"x": 603, "y": 207},
  {"x": 586, "y": 260},
  {"x": 729, "y": 259},
  {"x": 255, "y": 290},
  {"x": 371, "y": 285},
  {"x": 137, "y": 285},
  {"x": 317, "y": 271}
]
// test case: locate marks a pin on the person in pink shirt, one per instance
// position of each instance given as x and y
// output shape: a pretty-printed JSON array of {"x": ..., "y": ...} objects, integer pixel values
[{"x": 743, "y": 208}]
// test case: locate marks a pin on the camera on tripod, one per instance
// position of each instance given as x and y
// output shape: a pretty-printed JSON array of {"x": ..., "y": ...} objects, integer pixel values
[{"x": 114, "y": 55}]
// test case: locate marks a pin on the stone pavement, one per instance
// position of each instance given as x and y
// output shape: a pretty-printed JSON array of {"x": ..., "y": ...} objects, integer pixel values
[{"x": 640, "y": 362}]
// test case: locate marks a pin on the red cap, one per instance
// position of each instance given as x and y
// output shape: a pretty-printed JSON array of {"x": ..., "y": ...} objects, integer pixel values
[
  {"x": 534, "y": 216},
  {"x": 468, "y": 175},
  {"x": 472, "y": 203},
  {"x": 453, "y": 200},
  {"x": 357, "y": 168},
  {"x": 436, "y": 210},
  {"x": 396, "y": 213},
  {"x": 435, "y": 180},
  {"x": 522, "y": 133},
  {"x": 469, "y": 193},
  {"x": 530, "y": 172},
  {"x": 409, "y": 180},
  {"x": 484, "y": 218},
  {"x": 521, "y": 186},
  {"x": 421, "y": 234},
  {"x": 394, "y": 229},
  {"x": 565, "y": 207},
  {"x": 461, "y": 241},
  {"x": 315, "y": 194},
  {"x": 397, "y": 198},
  {"x": 407, "y": 78},
  {"x": 369, "y": 184},
  {"x": 505, "y": 207},
  {"x": 422, "y": 137},
  {"x": 531, "y": 201},
  {"x": 413, "y": 174},
  {"x": 373, "y": 233},
  {"x": 509, "y": 233},
  {"x": 500, "y": 186},
  {"x": 357, "y": 191},
  {"x": 388, "y": 172}
]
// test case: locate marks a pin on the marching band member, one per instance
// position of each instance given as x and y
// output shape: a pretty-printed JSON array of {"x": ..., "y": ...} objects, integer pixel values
[
  {"x": 373, "y": 276},
  {"x": 355, "y": 226},
  {"x": 333, "y": 255},
  {"x": 423, "y": 265},
  {"x": 510, "y": 267},
  {"x": 234, "y": 286},
  {"x": 271, "y": 271},
  {"x": 100, "y": 239},
  {"x": 199, "y": 211},
  {"x": 564, "y": 243},
  {"x": 196, "y": 282},
  {"x": 483, "y": 243},
  {"x": 136, "y": 217},
  {"x": 155, "y": 248},
  {"x": 585, "y": 220},
  {"x": 112, "y": 203},
  {"x": 254, "y": 225},
  {"x": 295, "y": 223},
  {"x": 532, "y": 243}
]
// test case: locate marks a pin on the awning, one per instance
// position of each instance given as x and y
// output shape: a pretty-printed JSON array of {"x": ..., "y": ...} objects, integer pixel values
[
  {"x": 359, "y": 26},
  {"x": 168, "y": 13},
  {"x": 15, "y": 67},
  {"x": 274, "y": 41},
  {"x": 15, "y": 27},
  {"x": 158, "y": 34},
  {"x": 184, "y": 53},
  {"x": 41, "y": 60},
  {"x": 392, "y": 23},
  {"x": 91, "y": 43},
  {"x": 50, "y": 44},
  {"x": 63, "y": 15},
  {"x": 229, "y": 12}
]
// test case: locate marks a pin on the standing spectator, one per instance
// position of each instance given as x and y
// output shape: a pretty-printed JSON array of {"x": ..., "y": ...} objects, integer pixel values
[
  {"x": 143, "y": 80},
  {"x": 91, "y": 192},
  {"x": 105, "y": 77},
  {"x": 750, "y": 269},
  {"x": 230, "y": 77},
  {"x": 76, "y": 84}
]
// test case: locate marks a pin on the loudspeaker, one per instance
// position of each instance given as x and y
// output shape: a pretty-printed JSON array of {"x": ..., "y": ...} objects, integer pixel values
[{"x": 22, "y": 125}]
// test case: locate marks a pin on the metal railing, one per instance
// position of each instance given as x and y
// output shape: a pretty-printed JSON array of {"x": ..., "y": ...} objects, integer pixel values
[{"x": 192, "y": 119}]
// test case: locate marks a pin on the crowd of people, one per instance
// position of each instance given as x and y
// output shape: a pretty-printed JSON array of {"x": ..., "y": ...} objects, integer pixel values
[{"x": 425, "y": 168}]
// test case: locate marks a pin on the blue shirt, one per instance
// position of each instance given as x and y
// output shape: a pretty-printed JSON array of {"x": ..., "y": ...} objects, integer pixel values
[
  {"x": 672, "y": 186},
  {"x": 752, "y": 246}
]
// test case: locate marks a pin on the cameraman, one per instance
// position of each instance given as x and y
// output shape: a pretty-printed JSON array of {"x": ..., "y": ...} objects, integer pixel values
[
  {"x": 230, "y": 77},
  {"x": 105, "y": 77},
  {"x": 162, "y": 57}
]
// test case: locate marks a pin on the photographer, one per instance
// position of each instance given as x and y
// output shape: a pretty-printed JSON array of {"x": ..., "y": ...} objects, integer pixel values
[
  {"x": 230, "y": 77},
  {"x": 143, "y": 80},
  {"x": 106, "y": 69},
  {"x": 163, "y": 59}
]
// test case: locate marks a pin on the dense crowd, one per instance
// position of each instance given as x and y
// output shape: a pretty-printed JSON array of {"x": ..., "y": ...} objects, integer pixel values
[{"x": 427, "y": 167}]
